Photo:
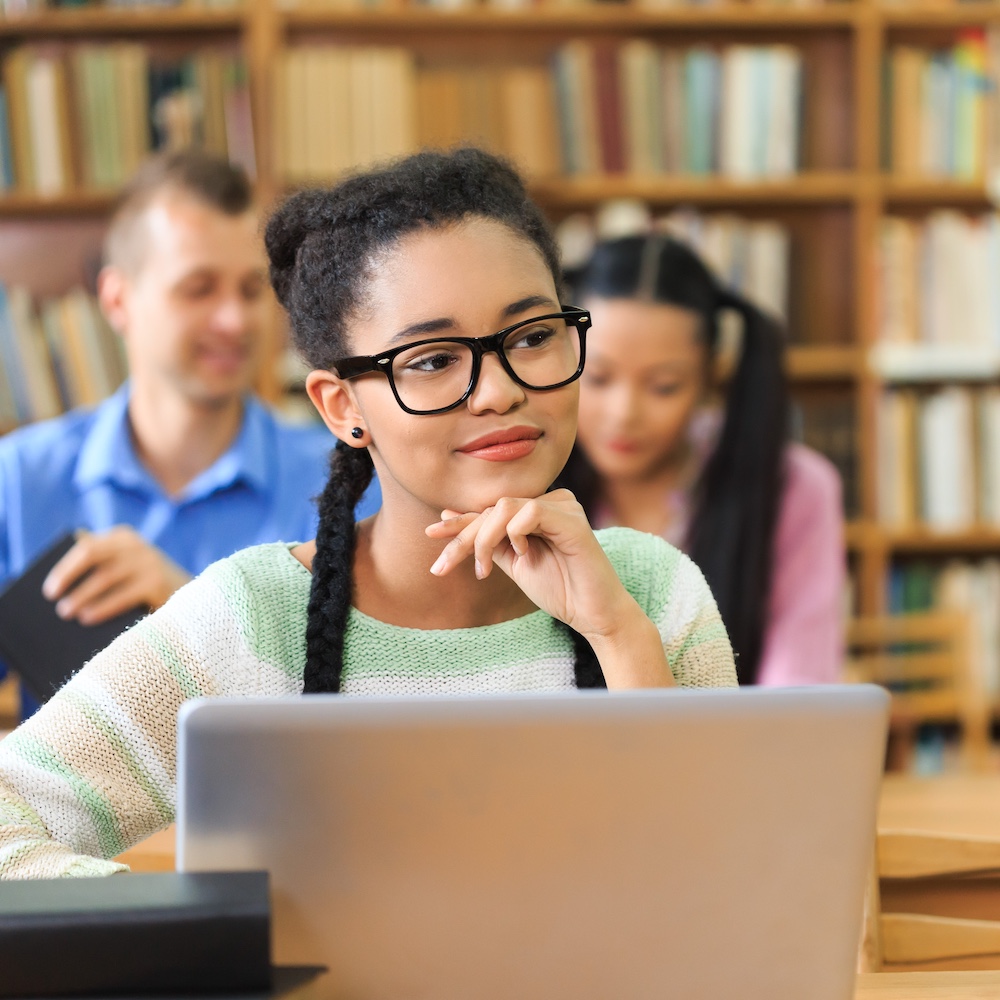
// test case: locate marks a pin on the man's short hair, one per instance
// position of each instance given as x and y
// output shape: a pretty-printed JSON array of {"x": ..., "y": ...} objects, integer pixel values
[{"x": 211, "y": 180}]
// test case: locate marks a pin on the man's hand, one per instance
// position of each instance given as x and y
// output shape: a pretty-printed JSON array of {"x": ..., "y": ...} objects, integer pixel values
[{"x": 106, "y": 574}]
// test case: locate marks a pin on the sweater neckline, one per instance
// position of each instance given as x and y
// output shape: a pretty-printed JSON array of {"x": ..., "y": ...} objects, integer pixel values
[{"x": 377, "y": 624}]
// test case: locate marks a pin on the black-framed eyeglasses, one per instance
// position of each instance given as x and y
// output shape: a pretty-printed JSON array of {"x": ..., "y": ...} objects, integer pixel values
[{"x": 434, "y": 376}]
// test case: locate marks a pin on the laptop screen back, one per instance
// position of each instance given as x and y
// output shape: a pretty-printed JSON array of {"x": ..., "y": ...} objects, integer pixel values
[{"x": 692, "y": 844}]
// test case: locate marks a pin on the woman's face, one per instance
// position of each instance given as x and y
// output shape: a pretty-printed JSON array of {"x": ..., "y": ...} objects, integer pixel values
[
  {"x": 645, "y": 377},
  {"x": 469, "y": 279}
]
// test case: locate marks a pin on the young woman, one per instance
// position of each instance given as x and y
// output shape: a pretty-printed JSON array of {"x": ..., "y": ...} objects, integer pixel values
[
  {"x": 760, "y": 516},
  {"x": 425, "y": 297}
]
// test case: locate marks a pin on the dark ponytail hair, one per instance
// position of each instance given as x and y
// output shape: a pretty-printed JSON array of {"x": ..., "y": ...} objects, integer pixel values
[
  {"x": 736, "y": 499},
  {"x": 324, "y": 248}
]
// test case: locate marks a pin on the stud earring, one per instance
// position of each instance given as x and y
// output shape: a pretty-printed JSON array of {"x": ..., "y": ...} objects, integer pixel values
[{"x": 357, "y": 432}]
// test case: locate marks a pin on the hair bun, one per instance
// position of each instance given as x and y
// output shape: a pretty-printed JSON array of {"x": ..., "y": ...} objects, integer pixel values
[{"x": 302, "y": 214}]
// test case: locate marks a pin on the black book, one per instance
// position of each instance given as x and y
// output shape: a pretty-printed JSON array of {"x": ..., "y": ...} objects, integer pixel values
[
  {"x": 42, "y": 648},
  {"x": 193, "y": 933}
]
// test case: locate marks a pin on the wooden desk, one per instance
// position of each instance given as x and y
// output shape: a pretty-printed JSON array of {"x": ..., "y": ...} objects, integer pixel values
[
  {"x": 966, "y": 806},
  {"x": 154, "y": 854},
  {"x": 963, "y": 804},
  {"x": 878, "y": 986},
  {"x": 925, "y": 986}
]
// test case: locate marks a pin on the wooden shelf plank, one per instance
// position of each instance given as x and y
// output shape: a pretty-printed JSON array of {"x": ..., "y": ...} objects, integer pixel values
[
  {"x": 615, "y": 18},
  {"x": 103, "y": 20},
  {"x": 582, "y": 192},
  {"x": 954, "y": 15},
  {"x": 932, "y": 191},
  {"x": 975, "y": 541},
  {"x": 806, "y": 188},
  {"x": 819, "y": 363},
  {"x": 77, "y": 203}
]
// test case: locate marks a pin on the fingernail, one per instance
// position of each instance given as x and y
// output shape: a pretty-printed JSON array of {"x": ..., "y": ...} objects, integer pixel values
[
  {"x": 438, "y": 564},
  {"x": 479, "y": 570},
  {"x": 48, "y": 589},
  {"x": 63, "y": 609}
]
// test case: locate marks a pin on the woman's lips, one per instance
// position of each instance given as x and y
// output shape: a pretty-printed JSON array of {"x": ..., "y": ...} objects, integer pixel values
[{"x": 503, "y": 446}]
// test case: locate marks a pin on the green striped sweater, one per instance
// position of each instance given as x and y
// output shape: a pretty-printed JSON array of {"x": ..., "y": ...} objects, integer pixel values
[{"x": 94, "y": 771}]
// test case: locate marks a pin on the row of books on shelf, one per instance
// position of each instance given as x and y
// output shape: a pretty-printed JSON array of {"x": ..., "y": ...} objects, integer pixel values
[
  {"x": 85, "y": 116},
  {"x": 594, "y": 107},
  {"x": 943, "y": 107},
  {"x": 55, "y": 356},
  {"x": 939, "y": 458},
  {"x": 971, "y": 586},
  {"x": 938, "y": 280}
]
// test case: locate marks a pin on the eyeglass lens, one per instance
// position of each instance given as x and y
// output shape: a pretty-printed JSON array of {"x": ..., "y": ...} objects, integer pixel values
[{"x": 435, "y": 375}]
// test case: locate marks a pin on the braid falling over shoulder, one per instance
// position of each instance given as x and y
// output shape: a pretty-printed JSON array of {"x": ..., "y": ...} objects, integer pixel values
[
  {"x": 351, "y": 472},
  {"x": 586, "y": 668}
]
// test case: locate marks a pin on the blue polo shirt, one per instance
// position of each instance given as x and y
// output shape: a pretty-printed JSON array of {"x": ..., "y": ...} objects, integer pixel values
[{"x": 80, "y": 470}]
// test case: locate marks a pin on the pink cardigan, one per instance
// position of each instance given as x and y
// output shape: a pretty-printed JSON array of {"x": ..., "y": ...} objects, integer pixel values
[{"x": 804, "y": 639}]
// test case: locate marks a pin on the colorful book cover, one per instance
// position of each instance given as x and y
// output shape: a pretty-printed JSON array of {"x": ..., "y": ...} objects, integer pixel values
[
  {"x": 970, "y": 120},
  {"x": 570, "y": 140},
  {"x": 13, "y": 364},
  {"x": 701, "y": 79},
  {"x": 6, "y": 153},
  {"x": 607, "y": 98}
]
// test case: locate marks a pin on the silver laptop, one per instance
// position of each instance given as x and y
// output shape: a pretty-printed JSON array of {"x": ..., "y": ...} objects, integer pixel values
[{"x": 703, "y": 845}]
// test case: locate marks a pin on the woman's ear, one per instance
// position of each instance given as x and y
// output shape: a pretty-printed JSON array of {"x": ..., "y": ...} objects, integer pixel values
[{"x": 334, "y": 400}]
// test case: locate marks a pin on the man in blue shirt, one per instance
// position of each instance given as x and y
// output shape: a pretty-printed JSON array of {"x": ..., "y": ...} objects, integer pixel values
[{"x": 181, "y": 466}]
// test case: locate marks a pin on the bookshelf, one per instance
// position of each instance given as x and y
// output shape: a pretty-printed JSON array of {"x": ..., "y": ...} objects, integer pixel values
[{"x": 833, "y": 206}]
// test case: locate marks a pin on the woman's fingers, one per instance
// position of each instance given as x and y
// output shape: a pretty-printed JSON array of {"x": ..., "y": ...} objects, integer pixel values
[
  {"x": 461, "y": 545},
  {"x": 508, "y": 528},
  {"x": 492, "y": 538},
  {"x": 498, "y": 530},
  {"x": 450, "y": 524},
  {"x": 476, "y": 535}
]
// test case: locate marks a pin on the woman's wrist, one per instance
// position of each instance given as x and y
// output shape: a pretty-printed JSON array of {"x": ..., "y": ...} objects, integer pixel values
[{"x": 630, "y": 651}]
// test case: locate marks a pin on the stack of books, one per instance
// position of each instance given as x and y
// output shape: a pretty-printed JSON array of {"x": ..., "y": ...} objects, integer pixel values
[
  {"x": 85, "y": 116},
  {"x": 55, "y": 357}
]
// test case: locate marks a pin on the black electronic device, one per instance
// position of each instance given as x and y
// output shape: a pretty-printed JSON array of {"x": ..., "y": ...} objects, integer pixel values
[{"x": 42, "y": 648}]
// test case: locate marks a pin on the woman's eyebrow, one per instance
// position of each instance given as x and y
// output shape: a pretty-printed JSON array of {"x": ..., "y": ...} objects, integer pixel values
[
  {"x": 529, "y": 302},
  {"x": 425, "y": 326},
  {"x": 447, "y": 323}
]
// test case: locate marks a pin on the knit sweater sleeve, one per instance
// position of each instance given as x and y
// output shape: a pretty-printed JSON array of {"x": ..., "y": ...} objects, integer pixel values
[
  {"x": 674, "y": 594},
  {"x": 93, "y": 772}
]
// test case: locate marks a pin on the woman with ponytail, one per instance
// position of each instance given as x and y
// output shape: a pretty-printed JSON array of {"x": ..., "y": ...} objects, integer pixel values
[
  {"x": 426, "y": 298},
  {"x": 759, "y": 515}
]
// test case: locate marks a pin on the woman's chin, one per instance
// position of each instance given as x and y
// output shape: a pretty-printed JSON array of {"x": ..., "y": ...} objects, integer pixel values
[{"x": 481, "y": 498}]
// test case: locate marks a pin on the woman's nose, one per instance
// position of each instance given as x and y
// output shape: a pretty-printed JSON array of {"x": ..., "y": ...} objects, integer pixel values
[{"x": 494, "y": 389}]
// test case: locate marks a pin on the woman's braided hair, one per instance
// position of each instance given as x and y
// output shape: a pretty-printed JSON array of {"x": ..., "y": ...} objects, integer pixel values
[{"x": 324, "y": 247}]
